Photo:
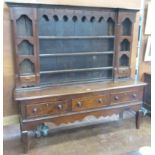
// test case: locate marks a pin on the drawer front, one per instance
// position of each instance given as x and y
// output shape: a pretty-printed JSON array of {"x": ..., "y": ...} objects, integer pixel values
[
  {"x": 84, "y": 103},
  {"x": 123, "y": 72},
  {"x": 47, "y": 108},
  {"x": 130, "y": 96}
]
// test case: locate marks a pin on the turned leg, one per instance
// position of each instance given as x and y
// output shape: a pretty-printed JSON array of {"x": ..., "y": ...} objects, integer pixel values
[
  {"x": 137, "y": 120},
  {"x": 24, "y": 137}
]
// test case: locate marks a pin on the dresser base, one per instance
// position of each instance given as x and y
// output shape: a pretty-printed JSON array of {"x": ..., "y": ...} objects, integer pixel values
[
  {"x": 27, "y": 125},
  {"x": 70, "y": 103}
]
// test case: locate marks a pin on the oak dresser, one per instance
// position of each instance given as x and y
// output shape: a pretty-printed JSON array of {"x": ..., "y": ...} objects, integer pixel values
[{"x": 72, "y": 62}]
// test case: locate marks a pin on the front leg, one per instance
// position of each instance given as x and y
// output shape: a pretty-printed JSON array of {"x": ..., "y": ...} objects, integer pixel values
[
  {"x": 25, "y": 140},
  {"x": 137, "y": 119}
]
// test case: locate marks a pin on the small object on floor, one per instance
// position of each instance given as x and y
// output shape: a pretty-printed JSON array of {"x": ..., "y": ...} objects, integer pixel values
[
  {"x": 144, "y": 110},
  {"x": 37, "y": 133},
  {"x": 42, "y": 130}
]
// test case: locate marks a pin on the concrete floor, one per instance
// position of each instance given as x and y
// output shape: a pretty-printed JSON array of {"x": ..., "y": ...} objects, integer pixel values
[{"x": 111, "y": 137}]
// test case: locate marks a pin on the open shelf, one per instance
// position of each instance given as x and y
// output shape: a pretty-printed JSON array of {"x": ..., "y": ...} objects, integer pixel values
[
  {"x": 76, "y": 54},
  {"x": 77, "y": 76},
  {"x": 46, "y": 81},
  {"x": 72, "y": 23},
  {"x": 75, "y": 47},
  {"x": 75, "y": 62},
  {"x": 76, "y": 70},
  {"x": 26, "y": 67},
  {"x": 24, "y": 26},
  {"x": 25, "y": 48},
  {"x": 125, "y": 45},
  {"x": 74, "y": 37},
  {"x": 124, "y": 60},
  {"x": 52, "y": 46},
  {"x": 126, "y": 27}
]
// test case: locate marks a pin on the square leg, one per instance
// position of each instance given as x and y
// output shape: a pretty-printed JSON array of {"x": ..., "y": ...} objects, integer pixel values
[
  {"x": 137, "y": 119},
  {"x": 25, "y": 141}
]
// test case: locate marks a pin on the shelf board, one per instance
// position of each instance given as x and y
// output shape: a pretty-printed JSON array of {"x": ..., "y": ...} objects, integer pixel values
[
  {"x": 77, "y": 53},
  {"x": 75, "y": 37},
  {"x": 125, "y": 52},
  {"x": 125, "y": 37},
  {"x": 124, "y": 67},
  {"x": 76, "y": 70},
  {"x": 22, "y": 38}
]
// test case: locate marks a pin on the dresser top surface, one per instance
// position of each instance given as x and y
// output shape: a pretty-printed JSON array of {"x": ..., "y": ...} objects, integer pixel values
[
  {"x": 53, "y": 91},
  {"x": 132, "y": 4}
]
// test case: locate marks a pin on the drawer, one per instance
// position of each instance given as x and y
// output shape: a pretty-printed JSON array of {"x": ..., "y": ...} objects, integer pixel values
[
  {"x": 47, "y": 108},
  {"x": 135, "y": 95},
  {"x": 84, "y": 103},
  {"x": 123, "y": 72},
  {"x": 27, "y": 80}
]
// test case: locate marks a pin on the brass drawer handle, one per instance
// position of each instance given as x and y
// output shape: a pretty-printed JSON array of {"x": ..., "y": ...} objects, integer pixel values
[
  {"x": 34, "y": 110},
  {"x": 116, "y": 98},
  {"x": 134, "y": 95},
  {"x": 79, "y": 104},
  {"x": 59, "y": 106},
  {"x": 100, "y": 100}
]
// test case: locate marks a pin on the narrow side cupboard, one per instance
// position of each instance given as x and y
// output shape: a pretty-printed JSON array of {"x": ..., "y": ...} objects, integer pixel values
[{"x": 72, "y": 62}]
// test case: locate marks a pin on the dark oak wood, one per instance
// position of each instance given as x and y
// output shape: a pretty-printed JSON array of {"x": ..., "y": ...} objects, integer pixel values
[
  {"x": 77, "y": 53},
  {"x": 89, "y": 102},
  {"x": 84, "y": 88},
  {"x": 74, "y": 37},
  {"x": 77, "y": 70},
  {"x": 147, "y": 92},
  {"x": 126, "y": 96},
  {"x": 88, "y": 27},
  {"x": 47, "y": 108},
  {"x": 70, "y": 61},
  {"x": 137, "y": 120},
  {"x": 16, "y": 14},
  {"x": 25, "y": 141}
]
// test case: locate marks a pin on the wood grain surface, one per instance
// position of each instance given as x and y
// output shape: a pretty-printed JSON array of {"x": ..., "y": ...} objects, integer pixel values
[
  {"x": 8, "y": 65},
  {"x": 132, "y": 4}
]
